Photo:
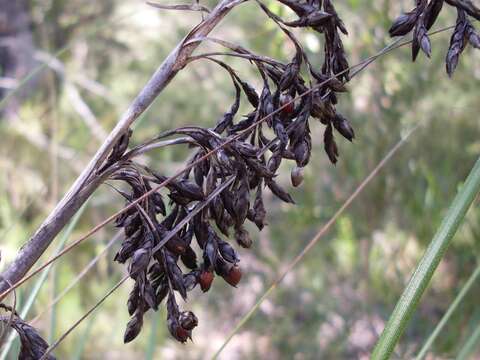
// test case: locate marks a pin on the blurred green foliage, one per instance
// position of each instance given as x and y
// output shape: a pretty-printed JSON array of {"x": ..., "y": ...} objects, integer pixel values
[{"x": 335, "y": 303}]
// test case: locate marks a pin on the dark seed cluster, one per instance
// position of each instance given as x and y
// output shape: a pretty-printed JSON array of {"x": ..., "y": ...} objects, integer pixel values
[
  {"x": 32, "y": 345},
  {"x": 423, "y": 17},
  {"x": 178, "y": 239}
]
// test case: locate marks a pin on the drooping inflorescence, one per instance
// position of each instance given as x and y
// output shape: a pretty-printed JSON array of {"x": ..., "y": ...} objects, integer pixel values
[
  {"x": 176, "y": 241},
  {"x": 212, "y": 202},
  {"x": 423, "y": 17}
]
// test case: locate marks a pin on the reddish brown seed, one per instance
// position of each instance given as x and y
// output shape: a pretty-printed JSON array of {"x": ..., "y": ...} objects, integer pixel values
[
  {"x": 206, "y": 279},
  {"x": 234, "y": 276},
  {"x": 182, "y": 334},
  {"x": 288, "y": 109}
]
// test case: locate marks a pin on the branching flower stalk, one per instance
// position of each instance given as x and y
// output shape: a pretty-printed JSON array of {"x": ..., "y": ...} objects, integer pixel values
[{"x": 171, "y": 252}]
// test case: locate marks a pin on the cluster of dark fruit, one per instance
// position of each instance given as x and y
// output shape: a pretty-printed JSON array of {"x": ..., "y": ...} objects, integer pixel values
[
  {"x": 216, "y": 197},
  {"x": 423, "y": 17},
  {"x": 32, "y": 345}
]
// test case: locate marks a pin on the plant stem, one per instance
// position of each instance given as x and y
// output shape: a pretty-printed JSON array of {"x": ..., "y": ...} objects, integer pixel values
[
  {"x": 469, "y": 346},
  {"x": 465, "y": 289},
  {"x": 41, "y": 280},
  {"x": 428, "y": 264}
]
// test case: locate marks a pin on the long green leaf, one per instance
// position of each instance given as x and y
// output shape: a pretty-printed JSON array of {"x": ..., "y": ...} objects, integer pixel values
[
  {"x": 453, "y": 306},
  {"x": 470, "y": 345},
  {"x": 36, "y": 288},
  {"x": 428, "y": 264},
  {"x": 78, "y": 353},
  {"x": 152, "y": 341}
]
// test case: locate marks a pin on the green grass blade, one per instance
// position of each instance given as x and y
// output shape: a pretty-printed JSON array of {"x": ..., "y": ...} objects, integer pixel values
[
  {"x": 465, "y": 289},
  {"x": 78, "y": 353},
  {"x": 152, "y": 341},
  {"x": 469, "y": 347},
  {"x": 53, "y": 313},
  {"x": 41, "y": 280},
  {"x": 428, "y": 264}
]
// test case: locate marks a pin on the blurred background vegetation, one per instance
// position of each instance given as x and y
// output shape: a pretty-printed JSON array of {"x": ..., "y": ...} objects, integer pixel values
[{"x": 335, "y": 303}]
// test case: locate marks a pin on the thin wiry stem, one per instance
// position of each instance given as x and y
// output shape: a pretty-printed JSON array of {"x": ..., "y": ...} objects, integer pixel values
[
  {"x": 79, "y": 277},
  {"x": 360, "y": 67},
  {"x": 316, "y": 238},
  {"x": 427, "y": 265},
  {"x": 78, "y": 322},
  {"x": 13, "y": 311},
  {"x": 451, "y": 309}
]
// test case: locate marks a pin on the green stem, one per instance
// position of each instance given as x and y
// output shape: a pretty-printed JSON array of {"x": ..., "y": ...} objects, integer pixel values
[
  {"x": 469, "y": 346},
  {"x": 428, "y": 264},
  {"x": 38, "y": 285},
  {"x": 471, "y": 280}
]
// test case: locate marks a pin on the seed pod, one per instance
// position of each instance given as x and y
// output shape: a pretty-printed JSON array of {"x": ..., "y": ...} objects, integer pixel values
[
  {"x": 274, "y": 162},
  {"x": 259, "y": 209},
  {"x": 120, "y": 146},
  {"x": 289, "y": 75},
  {"x": 190, "y": 280},
  {"x": 243, "y": 237},
  {"x": 205, "y": 280},
  {"x": 159, "y": 205},
  {"x": 278, "y": 191},
  {"x": 139, "y": 263},
  {"x": 133, "y": 299},
  {"x": 420, "y": 39},
  {"x": 330, "y": 145},
  {"x": 134, "y": 326},
  {"x": 227, "y": 252},
  {"x": 473, "y": 37},
  {"x": 189, "y": 258},
  {"x": 457, "y": 43},
  {"x": 32, "y": 345},
  {"x": 279, "y": 130},
  {"x": 432, "y": 11},
  {"x": 175, "y": 274},
  {"x": 403, "y": 24},
  {"x": 250, "y": 92},
  {"x": 188, "y": 320},
  {"x": 343, "y": 127},
  {"x": 149, "y": 295},
  {"x": 234, "y": 276},
  {"x": 242, "y": 202},
  {"x": 296, "y": 176}
]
